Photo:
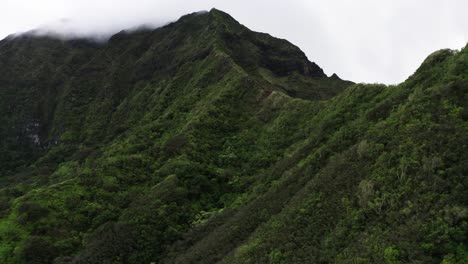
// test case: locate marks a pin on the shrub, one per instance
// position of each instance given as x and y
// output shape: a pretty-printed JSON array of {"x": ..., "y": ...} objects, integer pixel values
[
  {"x": 31, "y": 212},
  {"x": 38, "y": 251}
]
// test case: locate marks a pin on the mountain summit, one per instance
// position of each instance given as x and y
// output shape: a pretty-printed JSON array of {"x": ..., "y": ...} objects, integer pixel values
[
  {"x": 205, "y": 142},
  {"x": 62, "y": 81}
]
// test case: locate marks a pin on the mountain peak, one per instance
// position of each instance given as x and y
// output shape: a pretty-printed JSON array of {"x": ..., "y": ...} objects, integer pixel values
[
  {"x": 335, "y": 76},
  {"x": 203, "y": 141},
  {"x": 217, "y": 11}
]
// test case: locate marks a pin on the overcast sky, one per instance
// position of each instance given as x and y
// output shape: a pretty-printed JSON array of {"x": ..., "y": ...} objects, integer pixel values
[{"x": 361, "y": 40}]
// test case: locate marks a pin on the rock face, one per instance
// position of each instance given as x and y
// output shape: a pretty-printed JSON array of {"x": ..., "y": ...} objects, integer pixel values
[{"x": 205, "y": 142}]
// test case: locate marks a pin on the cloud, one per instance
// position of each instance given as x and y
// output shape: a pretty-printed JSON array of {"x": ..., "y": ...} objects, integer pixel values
[{"x": 361, "y": 40}]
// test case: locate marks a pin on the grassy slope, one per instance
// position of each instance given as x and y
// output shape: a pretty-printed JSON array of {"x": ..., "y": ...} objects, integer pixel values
[{"x": 204, "y": 142}]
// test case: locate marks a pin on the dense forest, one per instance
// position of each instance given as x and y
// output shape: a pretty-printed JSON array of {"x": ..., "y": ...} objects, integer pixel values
[{"x": 205, "y": 142}]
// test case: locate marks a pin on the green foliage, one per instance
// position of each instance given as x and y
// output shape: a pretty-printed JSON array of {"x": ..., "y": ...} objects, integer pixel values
[
  {"x": 391, "y": 255},
  {"x": 205, "y": 142}
]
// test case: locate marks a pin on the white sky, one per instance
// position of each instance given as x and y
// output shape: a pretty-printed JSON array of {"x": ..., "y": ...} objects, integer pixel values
[{"x": 361, "y": 40}]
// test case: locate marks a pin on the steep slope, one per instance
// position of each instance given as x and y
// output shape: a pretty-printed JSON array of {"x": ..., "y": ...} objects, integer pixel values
[
  {"x": 379, "y": 178},
  {"x": 76, "y": 90},
  {"x": 145, "y": 133},
  {"x": 204, "y": 142}
]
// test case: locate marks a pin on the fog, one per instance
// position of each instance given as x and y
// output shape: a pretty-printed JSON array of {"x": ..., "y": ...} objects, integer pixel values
[{"x": 360, "y": 40}]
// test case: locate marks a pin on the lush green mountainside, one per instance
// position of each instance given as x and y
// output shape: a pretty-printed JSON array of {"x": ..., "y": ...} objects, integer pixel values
[
  {"x": 205, "y": 142},
  {"x": 76, "y": 91}
]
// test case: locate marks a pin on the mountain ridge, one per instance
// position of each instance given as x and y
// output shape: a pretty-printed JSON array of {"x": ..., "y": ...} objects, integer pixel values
[
  {"x": 145, "y": 61},
  {"x": 204, "y": 142}
]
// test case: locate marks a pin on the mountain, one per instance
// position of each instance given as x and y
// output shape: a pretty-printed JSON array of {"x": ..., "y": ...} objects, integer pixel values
[{"x": 205, "y": 142}]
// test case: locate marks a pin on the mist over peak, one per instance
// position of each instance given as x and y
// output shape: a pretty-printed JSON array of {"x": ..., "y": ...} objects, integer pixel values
[
  {"x": 69, "y": 29},
  {"x": 99, "y": 31}
]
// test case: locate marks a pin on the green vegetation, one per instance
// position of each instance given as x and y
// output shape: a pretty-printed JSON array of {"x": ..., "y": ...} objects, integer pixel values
[{"x": 205, "y": 142}]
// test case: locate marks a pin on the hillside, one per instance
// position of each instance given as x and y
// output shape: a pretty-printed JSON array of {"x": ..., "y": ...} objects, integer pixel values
[{"x": 205, "y": 142}]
